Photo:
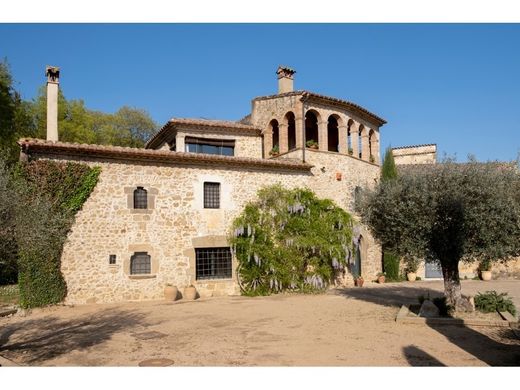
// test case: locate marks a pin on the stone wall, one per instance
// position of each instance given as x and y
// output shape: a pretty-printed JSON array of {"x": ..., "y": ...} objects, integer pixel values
[
  {"x": 420, "y": 154},
  {"x": 169, "y": 231}
]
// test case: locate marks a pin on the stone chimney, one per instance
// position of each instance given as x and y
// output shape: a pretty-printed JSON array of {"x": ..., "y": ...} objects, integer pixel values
[
  {"x": 53, "y": 80},
  {"x": 285, "y": 79}
]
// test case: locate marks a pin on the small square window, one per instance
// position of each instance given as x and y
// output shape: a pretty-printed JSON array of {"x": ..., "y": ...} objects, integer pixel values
[
  {"x": 112, "y": 259},
  {"x": 211, "y": 195}
]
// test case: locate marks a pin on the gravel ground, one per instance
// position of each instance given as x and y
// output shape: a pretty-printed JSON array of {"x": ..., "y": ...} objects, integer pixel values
[{"x": 345, "y": 327}]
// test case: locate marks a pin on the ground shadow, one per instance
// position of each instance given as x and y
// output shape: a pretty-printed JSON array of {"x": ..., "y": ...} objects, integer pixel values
[
  {"x": 37, "y": 340},
  {"x": 480, "y": 345},
  {"x": 417, "y": 357}
]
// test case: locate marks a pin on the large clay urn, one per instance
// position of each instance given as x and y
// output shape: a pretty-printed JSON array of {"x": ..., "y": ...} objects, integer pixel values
[
  {"x": 190, "y": 293},
  {"x": 411, "y": 276},
  {"x": 170, "y": 293},
  {"x": 485, "y": 275}
]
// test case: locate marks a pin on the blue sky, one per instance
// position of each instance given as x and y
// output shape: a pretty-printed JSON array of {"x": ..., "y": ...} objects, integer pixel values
[{"x": 455, "y": 85}]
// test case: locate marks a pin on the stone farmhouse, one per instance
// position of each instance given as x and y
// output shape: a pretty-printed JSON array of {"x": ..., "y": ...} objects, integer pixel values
[{"x": 161, "y": 214}]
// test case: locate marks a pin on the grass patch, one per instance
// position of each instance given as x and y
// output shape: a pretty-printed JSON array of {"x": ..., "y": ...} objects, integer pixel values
[{"x": 9, "y": 295}]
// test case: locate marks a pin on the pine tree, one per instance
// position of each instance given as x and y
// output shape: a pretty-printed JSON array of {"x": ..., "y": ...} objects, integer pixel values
[{"x": 389, "y": 170}]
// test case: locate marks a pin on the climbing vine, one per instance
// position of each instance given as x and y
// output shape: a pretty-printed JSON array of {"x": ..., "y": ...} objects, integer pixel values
[
  {"x": 290, "y": 240},
  {"x": 50, "y": 194}
]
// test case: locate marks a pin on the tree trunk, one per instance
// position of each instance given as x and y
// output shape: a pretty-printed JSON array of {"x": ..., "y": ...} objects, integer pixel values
[{"x": 452, "y": 289}]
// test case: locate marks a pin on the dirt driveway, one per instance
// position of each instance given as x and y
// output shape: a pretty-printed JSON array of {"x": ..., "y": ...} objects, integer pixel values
[{"x": 348, "y": 327}]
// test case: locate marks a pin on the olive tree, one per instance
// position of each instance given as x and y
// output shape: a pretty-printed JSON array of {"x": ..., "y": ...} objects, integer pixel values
[{"x": 448, "y": 213}]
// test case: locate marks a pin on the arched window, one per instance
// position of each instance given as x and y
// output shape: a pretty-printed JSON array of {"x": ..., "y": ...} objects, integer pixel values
[
  {"x": 291, "y": 130},
  {"x": 360, "y": 140},
  {"x": 311, "y": 129},
  {"x": 371, "y": 145},
  {"x": 333, "y": 134},
  {"x": 276, "y": 136},
  {"x": 140, "y": 263},
  {"x": 140, "y": 198},
  {"x": 350, "y": 138}
]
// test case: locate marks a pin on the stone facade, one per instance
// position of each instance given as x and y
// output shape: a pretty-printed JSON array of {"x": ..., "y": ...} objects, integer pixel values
[
  {"x": 175, "y": 223},
  {"x": 418, "y": 154}
]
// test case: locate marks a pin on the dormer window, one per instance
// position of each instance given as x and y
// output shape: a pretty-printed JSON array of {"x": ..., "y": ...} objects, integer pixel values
[{"x": 223, "y": 147}]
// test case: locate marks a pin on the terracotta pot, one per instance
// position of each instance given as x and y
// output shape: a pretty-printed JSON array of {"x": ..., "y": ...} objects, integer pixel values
[
  {"x": 314, "y": 146},
  {"x": 359, "y": 282},
  {"x": 381, "y": 279},
  {"x": 190, "y": 293},
  {"x": 170, "y": 293},
  {"x": 485, "y": 275},
  {"x": 411, "y": 276}
]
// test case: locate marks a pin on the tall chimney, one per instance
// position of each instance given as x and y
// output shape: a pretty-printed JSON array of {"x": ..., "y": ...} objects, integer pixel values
[
  {"x": 53, "y": 80},
  {"x": 285, "y": 79}
]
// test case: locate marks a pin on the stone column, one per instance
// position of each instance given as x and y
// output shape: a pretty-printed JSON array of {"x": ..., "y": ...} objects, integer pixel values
[
  {"x": 268, "y": 142},
  {"x": 284, "y": 137},
  {"x": 365, "y": 149},
  {"x": 375, "y": 147},
  {"x": 343, "y": 139},
  {"x": 354, "y": 130},
  {"x": 323, "y": 135},
  {"x": 299, "y": 125}
]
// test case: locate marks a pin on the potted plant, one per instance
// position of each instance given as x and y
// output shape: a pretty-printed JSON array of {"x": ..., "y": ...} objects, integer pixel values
[
  {"x": 381, "y": 276},
  {"x": 275, "y": 151},
  {"x": 190, "y": 292},
  {"x": 350, "y": 151},
  {"x": 411, "y": 269},
  {"x": 372, "y": 159},
  {"x": 170, "y": 292},
  {"x": 358, "y": 280},
  {"x": 485, "y": 269},
  {"x": 312, "y": 144}
]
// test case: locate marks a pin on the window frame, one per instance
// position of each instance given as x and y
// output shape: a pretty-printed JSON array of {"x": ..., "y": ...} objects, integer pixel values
[
  {"x": 208, "y": 200},
  {"x": 217, "y": 263},
  {"x": 138, "y": 192},
  {"x": 148, "y": 267}
]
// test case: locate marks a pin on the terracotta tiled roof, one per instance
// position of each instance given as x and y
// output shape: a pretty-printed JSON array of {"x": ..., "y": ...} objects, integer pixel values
[
  {"x": 204, "y": 123},
  {"x": 413, "y": 146},
  {"x": 360, "y": 110},
  {"x": 38, "y": 146}
]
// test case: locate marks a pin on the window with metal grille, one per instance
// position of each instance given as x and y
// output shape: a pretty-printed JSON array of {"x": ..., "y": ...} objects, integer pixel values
[
  {"x": 211, "y": 195},
  {"x": 112, "y": 259},
  {"x": 213, "y": 263},
  {"x": 140, "y": 198},
  {"x": 140, "y": 263}
]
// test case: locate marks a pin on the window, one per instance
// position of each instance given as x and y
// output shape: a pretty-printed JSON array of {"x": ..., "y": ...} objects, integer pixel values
[
  {"x": 211, "y": 195},
  {"x": 221, "y": 147},
  {"x": 213, "y": 263},
  {"x": 140, "y": 263},
  {"x": 140, "y": 198},
  {"x": 112, "y": 259}
]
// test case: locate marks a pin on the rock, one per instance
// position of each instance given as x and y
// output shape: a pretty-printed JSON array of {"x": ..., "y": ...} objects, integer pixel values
[{"x": 429, "y": 310}]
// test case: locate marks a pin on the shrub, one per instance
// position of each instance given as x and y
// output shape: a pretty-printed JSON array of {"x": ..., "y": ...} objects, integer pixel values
[
  {"x": 290, "y": 239},
  {"x": 391, "y": 266},
  {"x": 491, "y": 301},
  {"x": 50, "y": 194}
]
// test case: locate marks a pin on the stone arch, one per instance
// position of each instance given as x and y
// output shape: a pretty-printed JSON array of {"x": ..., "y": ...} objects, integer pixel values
[
  {"x": 312, "y": 119},
  {"x": 372, "y": 142},
  {"x": 291, "y": 130},
  {"x": 333, "y": 140},
  {"x": 350, "y": 137},
  {"x": 361, "y": 147},
  {"x": 275, "y": 136}
]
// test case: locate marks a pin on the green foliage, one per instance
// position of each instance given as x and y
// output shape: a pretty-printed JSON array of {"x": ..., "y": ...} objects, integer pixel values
[
  {"x": 391, "y": 266},
  {"x": 412, "y": 264},
  {"x": 388, "y": 170},
  {"x": 485, "y": 265},
  {"x": 50, "y": 194},
  {"x": 290, "y": 239},
  {"x": 491, "y": 301}
]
